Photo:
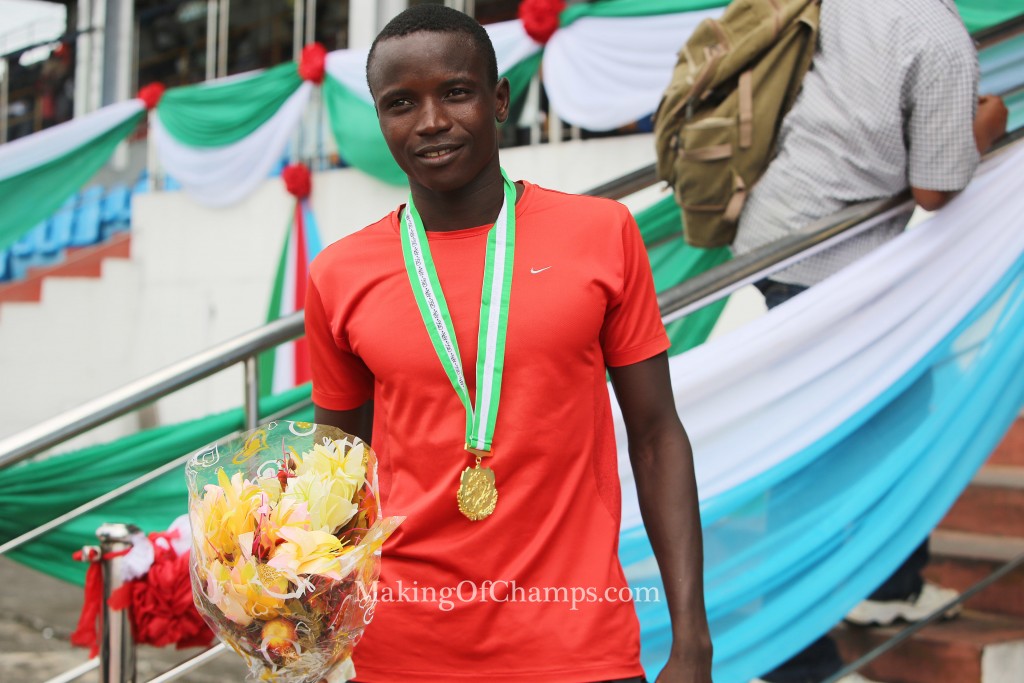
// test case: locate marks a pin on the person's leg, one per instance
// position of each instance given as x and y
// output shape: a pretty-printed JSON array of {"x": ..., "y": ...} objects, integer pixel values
[
  {"x": 906, "y": 581},
  {"x": 776, "y": 293},
  {"x": 813, "y": 664},
  {"x": 820, "y": 659}
]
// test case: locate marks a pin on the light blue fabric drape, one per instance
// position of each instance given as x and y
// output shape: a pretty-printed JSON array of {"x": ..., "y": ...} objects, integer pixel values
[{"x": 789, "y": 551}]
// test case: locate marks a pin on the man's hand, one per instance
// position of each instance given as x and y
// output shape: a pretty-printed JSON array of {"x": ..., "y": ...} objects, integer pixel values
[{"x": 990, "y": 121}]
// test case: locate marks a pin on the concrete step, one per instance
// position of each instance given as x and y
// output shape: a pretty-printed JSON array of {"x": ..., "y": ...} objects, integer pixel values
[
  {"x": 959, "y": 560},
  {"x": 993, "y": 504},
  {"x": 974, "y": 648},
  {"x": 78, "y": 262},
  {"x": 1011, "y": 450}
]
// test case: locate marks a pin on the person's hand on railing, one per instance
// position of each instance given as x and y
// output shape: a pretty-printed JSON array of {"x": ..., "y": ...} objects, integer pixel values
[{"x": 990, "y": 121}]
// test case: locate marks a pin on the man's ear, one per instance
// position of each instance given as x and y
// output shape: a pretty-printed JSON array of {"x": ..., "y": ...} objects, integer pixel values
[{"x": 502, "y": 95}]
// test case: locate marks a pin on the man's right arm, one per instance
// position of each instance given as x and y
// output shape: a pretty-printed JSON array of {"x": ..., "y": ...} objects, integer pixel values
[
  {"x": 358, "y": 421},
  {"x": 989, "y": 126}
]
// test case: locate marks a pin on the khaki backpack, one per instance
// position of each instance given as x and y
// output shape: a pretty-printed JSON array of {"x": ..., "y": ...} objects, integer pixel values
[{"x": 716, "y": 126}]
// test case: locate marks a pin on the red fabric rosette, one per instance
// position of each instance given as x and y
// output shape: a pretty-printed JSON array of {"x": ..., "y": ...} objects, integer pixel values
[
  {"x": 312, "y": 63},
  {"x": 297, "y": 180},
  {"x": 540, "y": 18},
  {"x": 151, "y": 94},
  {"x": 162, "y": 610}
]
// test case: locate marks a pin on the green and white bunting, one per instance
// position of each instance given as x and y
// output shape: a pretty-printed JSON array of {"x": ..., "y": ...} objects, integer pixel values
[{"x": 39, "y": 172}]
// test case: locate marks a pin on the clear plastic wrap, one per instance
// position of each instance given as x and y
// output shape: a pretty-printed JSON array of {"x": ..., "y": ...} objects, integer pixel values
[{"x": 286, "y": 537}]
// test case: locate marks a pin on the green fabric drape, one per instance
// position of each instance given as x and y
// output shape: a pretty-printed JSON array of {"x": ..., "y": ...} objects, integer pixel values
[
  {"x": 213, "y": 115},
  {"x": 672, "y": 262},
  {"x": 980, "y": 14},
  {"x": 634, "y": 8},
  {"x": 267, "y": 359},
  {"x": 519, "y": 77},
  {"x": 31, "y": 197},
  {"x": 39, "y": 491},
  {"x": 357, "y": 132}
]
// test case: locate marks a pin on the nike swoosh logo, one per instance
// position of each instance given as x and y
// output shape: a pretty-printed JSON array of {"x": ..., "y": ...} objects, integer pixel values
[{"x": 534, "y": 271}]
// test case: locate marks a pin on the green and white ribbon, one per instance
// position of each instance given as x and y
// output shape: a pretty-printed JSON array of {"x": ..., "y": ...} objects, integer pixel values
[
  {"x": 494, "y": 301},
  {"x": 40, "y": 171}
]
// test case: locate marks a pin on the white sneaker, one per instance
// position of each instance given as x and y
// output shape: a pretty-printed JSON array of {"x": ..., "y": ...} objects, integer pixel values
[{"x": 885, "y": 612}]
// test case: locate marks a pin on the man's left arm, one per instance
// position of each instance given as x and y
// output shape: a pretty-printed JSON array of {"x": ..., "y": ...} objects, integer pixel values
[{"x": 662, "y": 462}]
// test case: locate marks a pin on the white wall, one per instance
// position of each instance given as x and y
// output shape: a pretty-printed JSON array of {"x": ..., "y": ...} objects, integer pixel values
[{"x": 199, "y": 276}]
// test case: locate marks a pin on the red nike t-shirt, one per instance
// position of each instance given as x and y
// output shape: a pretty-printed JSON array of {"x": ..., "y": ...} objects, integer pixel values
[{"x": 535, "y": 592}]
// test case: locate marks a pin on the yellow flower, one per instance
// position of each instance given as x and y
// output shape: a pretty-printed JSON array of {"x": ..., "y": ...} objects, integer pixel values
[
  {"x": 246, "y": 592},
  {"x": 307, "y": 552},
  {"x": 227, "y": 510},
  {"x": 328, "y": 479},
  {"x": 326, "y": 497},
  {"x": 272, "y": 487},
  {"x": 331, "y": 459}
]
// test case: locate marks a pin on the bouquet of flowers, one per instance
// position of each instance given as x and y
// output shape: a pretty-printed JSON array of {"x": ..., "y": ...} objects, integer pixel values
[{"x": 286, "y": 538}]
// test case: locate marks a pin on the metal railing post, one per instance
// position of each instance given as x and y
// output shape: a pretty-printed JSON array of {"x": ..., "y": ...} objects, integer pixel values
[
  {"x": 223, "y": 37},
  {"x": 5, "y": 84},
  {"x": 252, "y": 392},
  {"x": 117, "y": 646}
]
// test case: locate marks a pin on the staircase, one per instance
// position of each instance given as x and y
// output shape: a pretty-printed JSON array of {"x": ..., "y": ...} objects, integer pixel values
[
  {"x": 77, "y": 262},
  {"x": 980, "y": 533}
]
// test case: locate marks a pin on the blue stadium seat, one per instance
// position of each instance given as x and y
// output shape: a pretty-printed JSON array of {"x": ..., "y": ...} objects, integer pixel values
[
  {"x": 5, "y": 265},
  {"x": 117, "y": 210},
  {"x": 57, "y": 235},
  {"x": 86, "y": 230},
  {"x": 27, "y": 252},
  {"x": 170, "y": 184},
  {"x": 28, "y": 244}
]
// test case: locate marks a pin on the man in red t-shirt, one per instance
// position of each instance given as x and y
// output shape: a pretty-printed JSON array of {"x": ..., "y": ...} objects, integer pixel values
[{"x": 466, "y": 336}]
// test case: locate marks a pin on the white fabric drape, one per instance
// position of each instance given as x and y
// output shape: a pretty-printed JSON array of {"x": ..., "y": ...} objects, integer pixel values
[
  {"x": 40, "y": 148},
  {"x": 221, "y": 176},
  {"x": 753, "y": 398},
  {"x": 601, "y": 73},
  {"x": 511, "y": 46}
]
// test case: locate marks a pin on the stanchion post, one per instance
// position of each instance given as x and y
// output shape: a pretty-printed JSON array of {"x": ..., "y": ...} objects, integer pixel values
[
  {"x": 117, "y": 646},
  {"x": 252, "y": 392}
]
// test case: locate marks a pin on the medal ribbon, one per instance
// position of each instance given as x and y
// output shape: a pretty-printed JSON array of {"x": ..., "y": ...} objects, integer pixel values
[{"x": 497, "y": 286}]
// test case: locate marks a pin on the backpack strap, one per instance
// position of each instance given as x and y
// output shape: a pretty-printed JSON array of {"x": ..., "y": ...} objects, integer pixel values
[
  {"x": 709, "y": 153},
  {"x": 735, "y": 205},
  {"x": 746, "y": 102}
]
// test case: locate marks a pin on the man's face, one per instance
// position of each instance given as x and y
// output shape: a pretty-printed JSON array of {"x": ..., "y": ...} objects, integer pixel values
[{"x": 437, "y": 108}]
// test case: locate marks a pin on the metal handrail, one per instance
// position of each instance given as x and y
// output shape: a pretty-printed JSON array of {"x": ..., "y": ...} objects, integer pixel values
[
  {"x": 1000, "y": 32},
  {"x": 148, "y": 389},
  {"x": 130, "y": 486},
  {"x": 935, "y": 616}
]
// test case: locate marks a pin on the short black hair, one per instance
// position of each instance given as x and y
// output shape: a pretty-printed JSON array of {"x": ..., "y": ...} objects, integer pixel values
[{"x": 438, "y": 19}]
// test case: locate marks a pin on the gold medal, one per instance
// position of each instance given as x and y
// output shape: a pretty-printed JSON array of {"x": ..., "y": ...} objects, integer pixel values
[{"x": 477, "y": 493}]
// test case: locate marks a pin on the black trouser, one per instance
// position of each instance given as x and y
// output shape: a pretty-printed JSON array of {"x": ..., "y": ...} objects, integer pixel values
[{"x": 820, "y": 659}]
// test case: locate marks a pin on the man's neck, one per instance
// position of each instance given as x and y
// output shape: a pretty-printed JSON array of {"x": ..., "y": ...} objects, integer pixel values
[{"x": 477, "y": 203}]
